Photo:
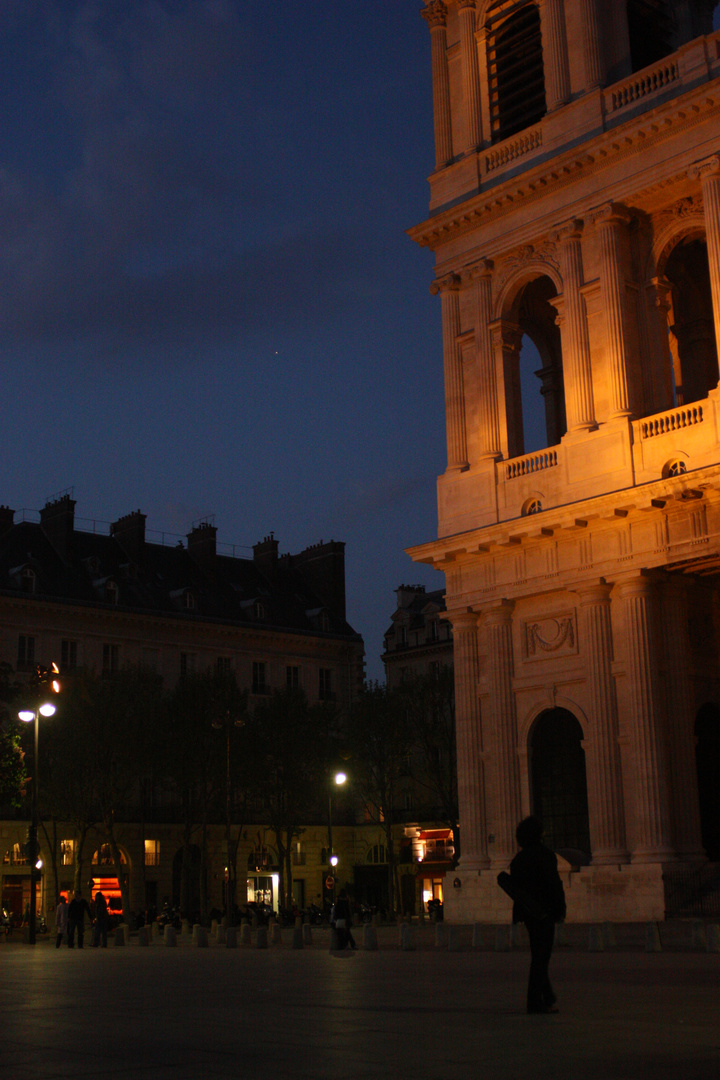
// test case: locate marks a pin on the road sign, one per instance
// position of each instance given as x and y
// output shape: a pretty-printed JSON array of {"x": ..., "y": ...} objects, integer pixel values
[{"x": 329, "y": 883}]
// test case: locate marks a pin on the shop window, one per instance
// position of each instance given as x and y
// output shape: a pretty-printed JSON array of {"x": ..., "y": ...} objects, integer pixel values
[
  {"x": 652, "y": 31},
  {"x": 515, "y": 68}
]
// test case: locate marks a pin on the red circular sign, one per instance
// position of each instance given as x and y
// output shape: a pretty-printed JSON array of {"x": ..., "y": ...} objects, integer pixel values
[{"x": 330, "y": 883}]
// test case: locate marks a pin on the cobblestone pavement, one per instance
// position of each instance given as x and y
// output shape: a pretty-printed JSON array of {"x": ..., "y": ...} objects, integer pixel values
[{"x": 308, "y": 1014}]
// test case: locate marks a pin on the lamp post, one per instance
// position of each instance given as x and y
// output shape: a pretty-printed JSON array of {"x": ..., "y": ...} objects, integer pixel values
[
  {"x": 28, "y": 716},
  {"x": 228, "y": 723},
  {"x": 339, "y": 778}
]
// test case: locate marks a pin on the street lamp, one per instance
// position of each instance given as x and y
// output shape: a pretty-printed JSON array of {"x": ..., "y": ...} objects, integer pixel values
[
  {"x": 228, "y": 723},
  {"x": 28, "y": 716},
  {"x": 338, "y": 779}
]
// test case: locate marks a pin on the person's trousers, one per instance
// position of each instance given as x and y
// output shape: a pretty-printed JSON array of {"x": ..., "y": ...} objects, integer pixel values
[
  {"x": 72, "y": 927},
  {"x": 540, "y": 993}
]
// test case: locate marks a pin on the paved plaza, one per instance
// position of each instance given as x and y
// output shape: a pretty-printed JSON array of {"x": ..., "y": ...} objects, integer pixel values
[{"x": 266, "y": 1014}]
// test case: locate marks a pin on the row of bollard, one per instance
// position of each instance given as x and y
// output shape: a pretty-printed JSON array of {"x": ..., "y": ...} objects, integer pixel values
[{"x": 450, "y": 937}]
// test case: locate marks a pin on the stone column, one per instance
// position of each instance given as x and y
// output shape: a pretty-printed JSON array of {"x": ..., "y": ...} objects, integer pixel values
[
  {"x": 684, "y": 797},
  {"x": 470, "y": 76},
  {"x": 591, "y": 45},
  {"x": 470, "y": 756},
  {"x": 498, "y": 624},
  {"x": 605, "y": 793},
  {"x": 449, "y": 287},
  {"x": 481, "y": 275},
  {"x": 611, "y": 222},
  {"x": 709, "y": 174},
  {"x": 554, "y": 46},
  {"x": 435, "y": 14},
  {"x": 506, "y": 340},
  {"x": 579, "y": 400},
  {"x": 646, "y": 789}
]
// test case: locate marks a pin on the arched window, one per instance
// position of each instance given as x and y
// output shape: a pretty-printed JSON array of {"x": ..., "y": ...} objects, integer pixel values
[
  {"x": 691, "y": 325},
  {"x": 515, "y": 68},
  {"x": 534, "y": 388},
  {"x": 559, "y": 785},
  {"x": 652, "y": 31},
  {"x": 707, "y": 756}
]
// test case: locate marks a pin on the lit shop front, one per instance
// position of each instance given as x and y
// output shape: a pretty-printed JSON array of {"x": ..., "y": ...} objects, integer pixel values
[
  {"x": 104, "y": 878},
  {"x": 434, "y": 850}
]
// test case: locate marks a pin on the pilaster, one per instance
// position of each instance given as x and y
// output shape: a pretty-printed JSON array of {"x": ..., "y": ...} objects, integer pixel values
[
  {"x": 591, "y": 44},
  {"x": 489, "y": 425},
  {"x": 611, "y": 222},
  {"x": 448, "y": 288},
  {"x": 579, "y": 402},
  {"x": 554, "y": 44},
  {"x": 708, "y": 172},
  {"x": 435, "y": 14},
  {"x": 497, "y": 622},
  {"x": 470, "y": 755},
  {"x": 470, "y": 74}
]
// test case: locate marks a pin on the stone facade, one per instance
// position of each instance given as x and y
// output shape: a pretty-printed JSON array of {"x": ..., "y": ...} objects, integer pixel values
[
  {"x": 419, "y": 639},
  {"x": 575, "y": 220}
]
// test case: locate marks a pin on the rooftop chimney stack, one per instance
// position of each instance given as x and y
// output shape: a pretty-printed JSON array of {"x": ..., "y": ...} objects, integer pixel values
[{"x": 57, "y": 520}]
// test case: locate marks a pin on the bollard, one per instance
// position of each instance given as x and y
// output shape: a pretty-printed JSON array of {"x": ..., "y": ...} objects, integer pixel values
[
  {"x": 454, "y": 935},
  {"x": 156, "y": 930},
  {"x": 120, "y": 935},
  {"x": 297, "y": 938},
  {"x": 231, "y": 937},
  {"x": 713, "y": 937},
  {"x": 298, "y": 920},
  {"x": 255, "y": 923},
  {"x": 170, "y": 936},
  {"x": 477, "y": 936},
  {"x": 245, "y": 936},
  {"x": 596, "y": 942},
  {"x": 334, "y": 940},
  {"x": 220, "y": 934},
  {"x": 503, "y": 940},
  {"x": 144, "y": 935},
  {"x": 518, "y": 935},
  {"x": 370, "y": 941},
  {"x": 214, "y": 927},
  {"x": 275, "y": 934},
  {"x": 186, "y": 927},
  {"x": 652, "y": 938},
  {"x": 407, "y": 938},
  {"x": 200, "y": 936},
  {"x": 307, "y": 934},
  {"x": 261, "y": 938},
  {"x": 441, "y": 935},
  {"x": 608, "y": 933}
]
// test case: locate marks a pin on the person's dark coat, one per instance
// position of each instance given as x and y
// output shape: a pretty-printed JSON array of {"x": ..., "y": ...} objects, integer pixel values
[{"x": 534, "y": 871}]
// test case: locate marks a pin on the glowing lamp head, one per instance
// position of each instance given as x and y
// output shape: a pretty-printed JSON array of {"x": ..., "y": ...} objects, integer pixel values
[
  {"x": 47, "y": 709},
  {"x": 26, "y": 716},
  {"x": 334, "y": 860},
  {"x": 340, "y": 778}
]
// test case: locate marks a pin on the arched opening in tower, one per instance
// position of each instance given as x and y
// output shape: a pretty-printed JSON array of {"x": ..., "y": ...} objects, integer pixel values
[
  {"x": 515, "y": 68},
  {"x": 559, "y": 783},
  {"x": 540, "y": 368},
  {"x": 690, "y": 322}
]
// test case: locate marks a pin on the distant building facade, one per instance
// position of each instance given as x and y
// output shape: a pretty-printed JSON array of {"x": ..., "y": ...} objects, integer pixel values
[
  {"x": 575, "y": 221},
  {"x": 420, "y": 637},
  {"x": 105, "y": 600}
]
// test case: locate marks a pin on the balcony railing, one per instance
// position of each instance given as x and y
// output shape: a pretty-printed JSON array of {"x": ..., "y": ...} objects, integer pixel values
[
  {"x": 672, "y": 420},
  {"x": 531, "y": 463}
]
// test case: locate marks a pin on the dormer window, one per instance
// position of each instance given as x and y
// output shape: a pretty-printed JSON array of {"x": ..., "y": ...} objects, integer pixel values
[
  {"x": 112, "y": 593},
  {"x": 184, "y": 599},
  {"x": 259, "y": 611},
  {"x": 28, "y": 580}
]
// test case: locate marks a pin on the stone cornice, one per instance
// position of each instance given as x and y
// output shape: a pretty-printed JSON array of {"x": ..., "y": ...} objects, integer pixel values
[{"x": 610, "y": 147}]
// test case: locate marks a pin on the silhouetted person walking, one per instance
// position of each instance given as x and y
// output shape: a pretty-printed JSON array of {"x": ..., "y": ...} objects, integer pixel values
[
  {"x": 76, "y": 919},
  {"x": 539, "y": 902},
  {"x": 61, "y": 920}
]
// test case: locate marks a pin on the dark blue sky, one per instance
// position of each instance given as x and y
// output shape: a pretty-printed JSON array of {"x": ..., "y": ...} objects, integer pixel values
[{"x": 208, "y": 301}]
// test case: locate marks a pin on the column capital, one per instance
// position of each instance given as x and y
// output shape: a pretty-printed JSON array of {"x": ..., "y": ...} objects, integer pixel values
[
  {"x": 463, "y": 621},
  {"x": 505, "y": 334},
  {"x": 463, "y": 5},
  {"x": 448, "y": 283},
  {"x": 610, "y": 214},
  {"x": 569, "y": 230},
  {"x": 708, "y": 167},
  {"x": 435, "y": 14},
  {"x": 635, "y": 583},
  {"x": 483, "y": 268},
  {"x": 499, "y": 614},
  {"x": 595, "y": 592}
]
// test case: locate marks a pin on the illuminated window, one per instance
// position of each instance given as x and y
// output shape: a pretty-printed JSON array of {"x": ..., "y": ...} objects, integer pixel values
[
  {"x": 67, "y": 852},
  {"x": 19, "y": 858},
  {"x": 376, "y": 854},
  {"x": 152, "y": 852},
  {"x": 103, "y": 856}
]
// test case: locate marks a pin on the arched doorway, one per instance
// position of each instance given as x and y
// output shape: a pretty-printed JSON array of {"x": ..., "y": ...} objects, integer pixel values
[
  {"x": 559, "y": 785},
  {"x": 707, "y": 757}
]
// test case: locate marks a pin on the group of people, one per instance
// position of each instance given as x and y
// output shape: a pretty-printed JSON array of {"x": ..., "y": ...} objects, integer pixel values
[{"x": 70, "y": 920}]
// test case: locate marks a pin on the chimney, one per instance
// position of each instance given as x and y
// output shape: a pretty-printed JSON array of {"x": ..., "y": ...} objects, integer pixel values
[
  {"x": 265, "y": 556},
  {"x": 407, "y": 593},
  {"x": 129, "y": 531},
  {"x": 202, "y": 546},
  {"x": 57, "y": 521},
  {"x": 322, "y": 568},
  {"x": 7, "y": 519}
]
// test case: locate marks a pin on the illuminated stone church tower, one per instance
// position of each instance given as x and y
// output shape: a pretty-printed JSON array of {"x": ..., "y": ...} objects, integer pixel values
[{"x": 575, "y": 220}]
